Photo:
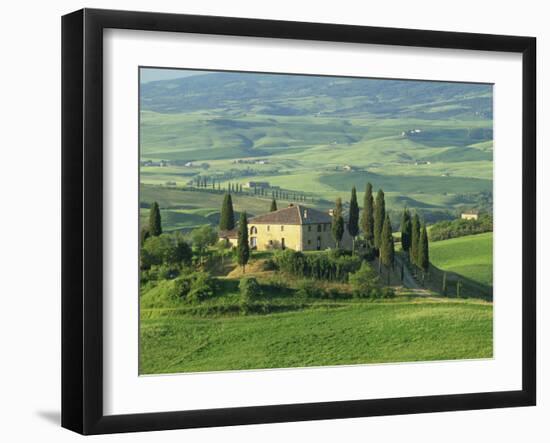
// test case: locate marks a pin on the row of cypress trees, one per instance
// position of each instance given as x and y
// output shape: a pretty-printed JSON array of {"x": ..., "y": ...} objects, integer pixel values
[{"x": 414, "y": 240}]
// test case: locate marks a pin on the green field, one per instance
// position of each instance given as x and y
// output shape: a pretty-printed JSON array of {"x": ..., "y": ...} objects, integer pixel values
[
  {"x": 305, "y": 130},
  {"x": 470, "y": 257},
  {"x": 355, "y": 333}
]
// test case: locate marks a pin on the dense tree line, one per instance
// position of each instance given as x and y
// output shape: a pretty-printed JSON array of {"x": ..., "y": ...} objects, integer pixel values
[{"x": 458, "y": 228}]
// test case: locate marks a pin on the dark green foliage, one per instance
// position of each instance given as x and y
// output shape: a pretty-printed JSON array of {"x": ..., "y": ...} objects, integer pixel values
[
  {"x": 273, "y": 206},
  {"x": 202, "y": 287},
  {"x": 338, "y": 223},
  {"x": 379, "y": 217},
  {"x": 165, "y": 249},
  {"x": 353, "y": 221},
  {"x": 459, "y": 228},
  {"x": 243, "y": 248},
  {"x": 406, "y": 230},
  {"x": 143, "y": 235},
  {"x": 322, "y": 266},
  {"x": 365, "y": 281},
  {"x": 202, "y": 238},
  {"x": 458, "y": 288},
  {"x": 387, "y": 252},
  {"x": 155, "y": 223},
  {"x": 194, "y": 287},
  {"x": 227, "y": 216},
  {"x": 415, "y": 237},
  {"x": 250, "y": 290},
  {"x": 444, "y": 285},
  {"x": 367, "y": 218},
  {"x": 423, "y": 261},
  {"x": 314, "y": 290}
]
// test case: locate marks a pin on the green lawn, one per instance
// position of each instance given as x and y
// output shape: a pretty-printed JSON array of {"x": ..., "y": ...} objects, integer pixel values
[
  {"x": 470, "y": 256},
  {"x": 352, "y": 333}
]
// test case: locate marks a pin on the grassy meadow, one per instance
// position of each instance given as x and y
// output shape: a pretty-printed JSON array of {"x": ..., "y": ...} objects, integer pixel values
[{"x": 349, "y": 333}]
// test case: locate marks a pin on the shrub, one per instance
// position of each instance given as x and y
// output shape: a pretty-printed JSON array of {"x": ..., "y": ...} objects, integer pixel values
[
  {"x": 250, "y": 290},
  {"x": 365, "y": 281},
  {"x": 165, "y": 249},
  {"x": 309, "y": 289},
  {"x": 269, "y": 265},
  {"x": 202, "y": 287}
]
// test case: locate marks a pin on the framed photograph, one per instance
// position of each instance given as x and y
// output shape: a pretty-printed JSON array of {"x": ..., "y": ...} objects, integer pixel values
[{"x": 269, "y": 221}]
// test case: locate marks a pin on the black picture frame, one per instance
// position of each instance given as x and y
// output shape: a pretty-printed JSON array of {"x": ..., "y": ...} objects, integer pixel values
[{"x": 82, "y": 218}]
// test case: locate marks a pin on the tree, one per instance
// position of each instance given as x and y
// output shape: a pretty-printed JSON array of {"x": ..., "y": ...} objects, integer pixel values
[
  {"x": 202, "y": 238},
  {"x": 165, "y": 249},
  {"x": 379, "y": 217},
  {"x": 227, "y": 216},
  {"x": 365, "y": 280},
  {"x": 353, "y": 221},
  {"x": 367, "y": 219},
  {"x": 423, "y": 250},
  {"x": 338, "y": 223},
  {"x": 444, "y": 285},
  {"x": 273, "y": 206},
  {"x": 143, "y": 235},
  {"x": 155, "y": 223},
  {"x": 415, "y": 237},
  {"x": 406, "y": 230},
  {"x": 387, "y": 253},
  {"x": 243, "y": 248},
  {"x": 458, "y": 288}
]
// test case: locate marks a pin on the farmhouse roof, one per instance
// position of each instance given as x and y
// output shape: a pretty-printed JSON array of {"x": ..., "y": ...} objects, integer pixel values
[{"x": 293, "y": 215}]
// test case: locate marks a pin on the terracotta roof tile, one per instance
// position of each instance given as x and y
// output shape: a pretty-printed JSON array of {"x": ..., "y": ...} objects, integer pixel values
[{"x": 293, "y": 215}]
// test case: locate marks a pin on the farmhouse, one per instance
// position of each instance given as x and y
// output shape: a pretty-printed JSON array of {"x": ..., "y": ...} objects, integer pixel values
[
  {"x": 296, "y": 227},
  {"x": 256, "y": 185},
  {"x": 469, "y": 215}
]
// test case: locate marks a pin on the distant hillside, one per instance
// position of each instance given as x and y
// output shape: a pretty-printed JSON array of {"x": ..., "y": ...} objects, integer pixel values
[{"x": 292, "y": 95}]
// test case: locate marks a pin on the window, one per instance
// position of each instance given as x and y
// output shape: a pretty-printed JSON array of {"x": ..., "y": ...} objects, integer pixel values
[
  {"x": 324, "y": 228},
  {"x": 253, "y": 230},
  {"x": 319, "y": 228},
  {"x": 319, "y": 243},
  {"x": 309, "y": 228},
  {"x": 309, "y": 242},
  {"x": 253, "y": 242},
  {"x": 283, "y": 243},
  {"x": 282, "y": 228},
  {"x": 267, "y": 228}
]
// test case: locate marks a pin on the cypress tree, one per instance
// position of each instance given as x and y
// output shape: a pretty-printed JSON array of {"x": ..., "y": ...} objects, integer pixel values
[
  {"x": 338, "y": 223},
  {"x": 367, "y": 218},
  {"x": 387, "y": 253},
  {"x": 423, "y": 254},
  {"x": 379, "y": 217},
  {"x": 406, "y": 230},
  {"x": 353, "y": 222},
  {"x": 458, "y": 288},
  {"x": 143, "y": 235},
  {"x": 415, "y": 237},
  {"x": 444, "y": 285},
  {"x": 243, "y": 249},
  {"x": 227, "y": 216},
  {"x": 155, "y": 223},
  {"x": 273, "y": 206}
]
